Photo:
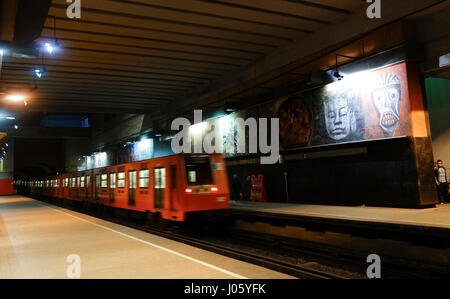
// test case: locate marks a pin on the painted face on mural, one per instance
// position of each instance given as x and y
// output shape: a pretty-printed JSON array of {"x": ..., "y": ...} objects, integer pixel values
[
  {"x": 296, "y": 122},
  {"x": 339, "y": 118},
  {"x": 386, "y": 99}
]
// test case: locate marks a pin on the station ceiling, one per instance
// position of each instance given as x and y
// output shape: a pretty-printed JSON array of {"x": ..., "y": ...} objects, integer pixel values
[{"x": 137, "y": 56}]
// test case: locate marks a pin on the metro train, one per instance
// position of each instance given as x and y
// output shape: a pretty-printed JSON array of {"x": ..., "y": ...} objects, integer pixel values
[{"x": 170, "y": 188}]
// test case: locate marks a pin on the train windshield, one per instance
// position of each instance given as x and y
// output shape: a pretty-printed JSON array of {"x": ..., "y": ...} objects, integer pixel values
[{"x": 198, "y": 170}]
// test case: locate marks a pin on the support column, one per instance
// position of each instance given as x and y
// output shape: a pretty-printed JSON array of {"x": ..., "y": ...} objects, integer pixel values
[{"x": 421, "y": 144}]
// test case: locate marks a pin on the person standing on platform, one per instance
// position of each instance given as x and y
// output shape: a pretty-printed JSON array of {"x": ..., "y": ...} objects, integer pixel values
[
  {"x": 440, "y": 176},
  {"x": 237, "y": 188}
]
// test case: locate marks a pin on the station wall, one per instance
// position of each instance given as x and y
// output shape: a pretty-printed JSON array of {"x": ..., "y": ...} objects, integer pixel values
[
  {"x": 438, "y": 95},
  {"x": 358, "y": 141}
]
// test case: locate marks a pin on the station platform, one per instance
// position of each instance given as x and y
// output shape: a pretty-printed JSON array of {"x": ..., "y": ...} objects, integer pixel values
[
  {"x": 37, "y": 239},
  {"x": 438, "y": 217}
]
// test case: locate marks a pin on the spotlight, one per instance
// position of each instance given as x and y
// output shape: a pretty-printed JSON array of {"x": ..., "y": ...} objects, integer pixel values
[
  {"x": 38, "y": 72},
  {"x": 16, "y": 127},
  {"x": 51, "y": 47},
  {"x": 338, "y": 75}
]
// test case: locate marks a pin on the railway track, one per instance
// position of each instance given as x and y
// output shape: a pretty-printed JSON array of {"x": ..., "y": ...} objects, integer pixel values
[{"x": 273, "y": 264}]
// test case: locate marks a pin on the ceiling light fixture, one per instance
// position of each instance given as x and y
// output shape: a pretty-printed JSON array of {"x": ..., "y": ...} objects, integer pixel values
[
  {"x": 52, "y": 47},
  {"x": 16, "y": 97},
  {"x": 39, "y": 72}
]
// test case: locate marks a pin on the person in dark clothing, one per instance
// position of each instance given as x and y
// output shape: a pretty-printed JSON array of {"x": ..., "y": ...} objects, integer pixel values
[
  {"x": 237, "y": 188},
  {"x": 440, "y": 176}
]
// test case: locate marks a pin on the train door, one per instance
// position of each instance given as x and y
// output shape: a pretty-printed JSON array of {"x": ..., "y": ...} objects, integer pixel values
[
  {"x": 78, "y": 187},
  {"x": 159, "y": 187},
  {"x": 173, "y": 186},
  {"x": 112, "y": 187},
  {"x": 70, "y": 187},
  {"x": 97, "y": 187},
  {"x": 132, "y": 188},
  {"x": 66, "y": 188},
  {"x": 88, "y": 187}
]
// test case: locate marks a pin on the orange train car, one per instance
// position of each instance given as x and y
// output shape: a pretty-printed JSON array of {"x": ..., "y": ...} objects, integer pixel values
[{"x": 171, "y": 187}]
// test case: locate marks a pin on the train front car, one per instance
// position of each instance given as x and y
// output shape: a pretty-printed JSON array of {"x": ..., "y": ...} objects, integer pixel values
[{"x": 205, "y": 192}]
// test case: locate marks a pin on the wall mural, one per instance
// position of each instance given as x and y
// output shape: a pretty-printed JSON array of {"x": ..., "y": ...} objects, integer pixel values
[
  {"x": 296, "y": 122},
  {"x": 363, "y": 106}
]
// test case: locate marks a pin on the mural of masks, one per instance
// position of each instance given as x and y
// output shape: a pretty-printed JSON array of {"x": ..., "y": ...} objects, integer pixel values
[
  {"x": 339, "y": 114},
  {"x": 296, "y": 122},
  {"x": 386, "y": 98}
]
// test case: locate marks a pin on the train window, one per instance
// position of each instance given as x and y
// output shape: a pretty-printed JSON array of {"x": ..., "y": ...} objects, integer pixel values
[
  {"x": 198, "y": 170},
  {"x": 56, "y": 184},
  {"x": 121, "y": 180},
  {"x": 66, "y": 182},
  {"x": 82, "y": 181},
  {"x": 173, "y": 177},
  {"x": 144, "y": 176},
  {"x": 104, "y": 181},
  {"x": 160, "y": 178},
  {"x": 74, "y": 182},
  {"x": 79, "y": 181},
  {"x": 112, "y": 180},
  {"x": 88, "y": 181}
]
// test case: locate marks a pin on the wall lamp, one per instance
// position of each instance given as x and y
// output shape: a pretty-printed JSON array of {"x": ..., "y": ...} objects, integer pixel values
[{"x": 338, "y": 75}]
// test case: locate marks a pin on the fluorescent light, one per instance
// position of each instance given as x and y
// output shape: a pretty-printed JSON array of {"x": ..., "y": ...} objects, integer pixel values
[
  {"x": 10, "y": 117},
  {"x": 444, "y": 60}
]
